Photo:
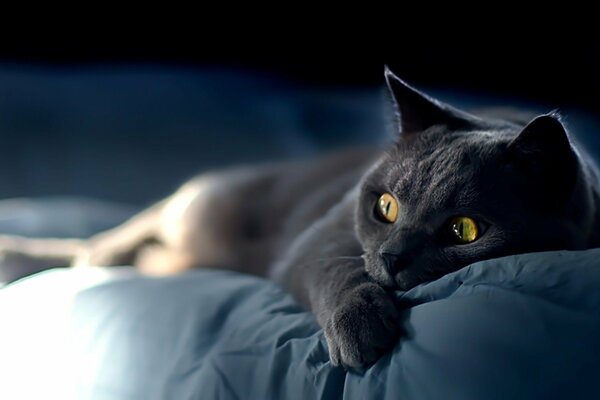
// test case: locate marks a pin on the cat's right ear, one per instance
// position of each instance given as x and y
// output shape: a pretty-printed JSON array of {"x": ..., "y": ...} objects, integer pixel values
[{"x": 416, "y": 111}]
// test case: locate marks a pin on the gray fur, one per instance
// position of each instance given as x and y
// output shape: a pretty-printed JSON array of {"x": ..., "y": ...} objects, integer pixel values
[
  {"x": 311, "y": 227},
  {"x": 527, "y": 185}
]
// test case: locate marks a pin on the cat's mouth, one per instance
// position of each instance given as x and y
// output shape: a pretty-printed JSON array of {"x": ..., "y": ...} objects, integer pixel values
[
  {"x": 387, "y": 276},
  {"x": 379, "y": 271}
]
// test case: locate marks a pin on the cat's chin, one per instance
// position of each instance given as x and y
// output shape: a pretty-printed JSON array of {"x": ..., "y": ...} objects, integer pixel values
[
  {"x": 378, "y": 273},
  {"x": 402, "y": 281},
  {"x": 404, "y": 285},
  {"x": 406, "y": 280},
  {"x": 397, "y": 282},
  {"x": 386, "y": 283}
]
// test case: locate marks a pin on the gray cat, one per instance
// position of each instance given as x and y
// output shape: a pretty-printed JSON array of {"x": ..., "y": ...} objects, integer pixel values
[{"x": 342, "y": 231}]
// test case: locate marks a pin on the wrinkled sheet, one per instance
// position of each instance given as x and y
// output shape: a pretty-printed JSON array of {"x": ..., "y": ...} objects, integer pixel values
[{"x": 524, "y": 326}]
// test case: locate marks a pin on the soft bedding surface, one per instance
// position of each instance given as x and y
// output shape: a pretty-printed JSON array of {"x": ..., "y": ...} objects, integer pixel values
[{"x": 518, "y": 327}]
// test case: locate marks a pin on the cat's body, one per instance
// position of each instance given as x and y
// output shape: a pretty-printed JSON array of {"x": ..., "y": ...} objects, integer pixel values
[{"x": 323, "y": 229}]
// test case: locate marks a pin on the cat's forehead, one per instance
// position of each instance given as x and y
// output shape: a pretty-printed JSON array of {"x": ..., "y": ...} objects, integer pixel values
[{"x": 440, "y": 171}]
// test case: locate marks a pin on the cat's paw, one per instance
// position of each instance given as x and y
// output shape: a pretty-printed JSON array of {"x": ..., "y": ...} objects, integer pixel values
[{"x": 362, "y": 328}]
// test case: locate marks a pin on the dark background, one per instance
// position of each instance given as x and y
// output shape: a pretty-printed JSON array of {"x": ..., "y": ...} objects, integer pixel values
[
  {"x": 561, "y": 73},
  {"x": 128, "y": 119}
]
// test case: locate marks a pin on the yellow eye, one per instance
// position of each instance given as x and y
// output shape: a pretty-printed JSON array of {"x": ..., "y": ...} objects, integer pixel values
[
  {"x": 464, "y": 230},
  {"x": 387, "y": 208}
]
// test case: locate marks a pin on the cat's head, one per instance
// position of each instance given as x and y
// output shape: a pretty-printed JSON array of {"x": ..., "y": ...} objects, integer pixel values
[{"x": 455, "y": 189}]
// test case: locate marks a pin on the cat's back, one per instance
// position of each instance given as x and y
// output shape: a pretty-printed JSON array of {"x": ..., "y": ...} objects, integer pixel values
[
  {"x": 285, "y": 199},
  {"x": 305, "y": 190}
]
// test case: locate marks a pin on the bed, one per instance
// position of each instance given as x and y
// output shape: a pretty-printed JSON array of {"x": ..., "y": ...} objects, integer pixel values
[{"x": 524, "y": 326}]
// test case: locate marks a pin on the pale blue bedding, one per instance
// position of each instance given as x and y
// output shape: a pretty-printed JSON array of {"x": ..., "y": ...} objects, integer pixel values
[{"x": 518, "y": 327}]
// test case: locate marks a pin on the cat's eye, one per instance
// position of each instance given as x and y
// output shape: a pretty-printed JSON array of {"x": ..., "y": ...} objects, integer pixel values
[
  {"x": 387, "y": 208},
  {"x": 464, "y": 230}
]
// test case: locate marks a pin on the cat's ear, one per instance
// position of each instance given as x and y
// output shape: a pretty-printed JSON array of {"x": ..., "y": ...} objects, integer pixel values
[
  {"x": 545, "y": 137},
  {"x": 417, "y": 111},
  {"x": 544, "y": 150}
]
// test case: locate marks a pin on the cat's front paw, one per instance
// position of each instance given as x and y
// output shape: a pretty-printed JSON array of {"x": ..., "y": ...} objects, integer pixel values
[{"x": 362, "y": 328}]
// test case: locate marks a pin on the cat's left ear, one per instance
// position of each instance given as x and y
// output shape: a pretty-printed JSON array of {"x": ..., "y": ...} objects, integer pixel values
[
  {"x": 544, "y": 138},
  {"x": 543, "y": 148},
  {"x": 417, "y": 111}
]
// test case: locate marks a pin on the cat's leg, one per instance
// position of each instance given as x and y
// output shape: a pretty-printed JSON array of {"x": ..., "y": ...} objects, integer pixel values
[
  {"x": 324, "y": 270},
  {"x": 117, "y": 246},
  {"x": 163, "y": 224},
  {"x": 54, "y": 251},
  {"x": 160, "y": 240},
  {"x": 202, "y": 225},
  {"x": 120, "y": 245},
  {"x": 146, "y": 233},
  {"x": 20, "y": 257},
  {"x": 210, "y": 222}
]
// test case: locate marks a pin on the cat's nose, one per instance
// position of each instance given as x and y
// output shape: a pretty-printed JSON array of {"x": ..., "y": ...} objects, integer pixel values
[{"x": 391, "y": 262}]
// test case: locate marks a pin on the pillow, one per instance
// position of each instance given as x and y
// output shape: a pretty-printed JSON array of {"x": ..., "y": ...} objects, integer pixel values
[{"x": 525, "y": 326}]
